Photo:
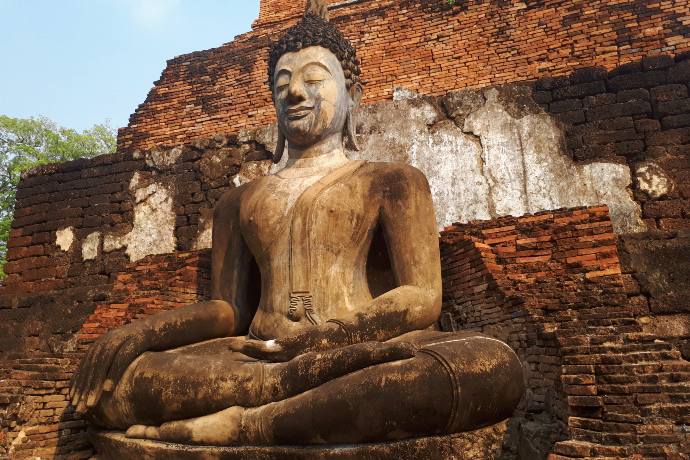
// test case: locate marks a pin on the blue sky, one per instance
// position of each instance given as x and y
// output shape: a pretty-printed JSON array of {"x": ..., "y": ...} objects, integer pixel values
[{"x": 82, "y": 62}]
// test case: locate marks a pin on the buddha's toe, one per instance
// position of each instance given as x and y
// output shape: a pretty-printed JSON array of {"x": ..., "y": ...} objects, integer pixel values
[
  {"x": 152, "y": 432},
  {"x": 219, "y": 429},
  {"x": 137, "y": 432}
]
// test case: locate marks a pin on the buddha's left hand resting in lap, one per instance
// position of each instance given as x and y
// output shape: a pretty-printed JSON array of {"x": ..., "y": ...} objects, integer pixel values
[{"x": 326, "y": 280}]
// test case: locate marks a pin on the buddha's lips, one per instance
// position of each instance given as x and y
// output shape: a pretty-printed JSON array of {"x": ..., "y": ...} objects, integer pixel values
[{"x": 298, "y": 112}]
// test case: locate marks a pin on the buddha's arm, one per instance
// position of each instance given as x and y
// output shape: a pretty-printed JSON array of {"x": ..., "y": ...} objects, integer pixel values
[
  {"x": 231, "y": 261},
  {"x": 409, "y": 224}
]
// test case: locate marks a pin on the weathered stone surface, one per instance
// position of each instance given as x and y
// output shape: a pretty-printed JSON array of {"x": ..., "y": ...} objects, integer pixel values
[
  {"x": 496, "y": 163},
  {"x": 162, "y": 158},
  {"x": 661, "y": 265},
  {"x": 667, "y": 326}
]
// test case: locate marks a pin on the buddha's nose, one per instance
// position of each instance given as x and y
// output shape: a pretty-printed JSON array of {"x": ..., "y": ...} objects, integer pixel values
[{"x": 296, "y": 92}]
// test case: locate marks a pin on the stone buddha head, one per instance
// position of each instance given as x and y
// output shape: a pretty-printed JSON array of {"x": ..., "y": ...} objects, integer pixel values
[{"x": 314, "y": 76}]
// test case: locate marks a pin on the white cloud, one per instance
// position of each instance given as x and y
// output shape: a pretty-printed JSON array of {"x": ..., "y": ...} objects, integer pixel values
[{"x": 151, "y": 13}]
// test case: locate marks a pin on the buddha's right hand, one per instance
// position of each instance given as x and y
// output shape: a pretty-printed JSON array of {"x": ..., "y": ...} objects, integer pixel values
[{"x": 106, "y": 361}]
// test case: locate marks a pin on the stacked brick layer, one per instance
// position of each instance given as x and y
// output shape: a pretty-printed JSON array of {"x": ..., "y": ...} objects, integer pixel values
[
  {"x": 551, "y": 286},
  {"x": 158, "y": 283},
  {"x": 637, "y": 114},
  {"x": 36, "y": 419},
  {"x": 424, "y": 45},
  {"x": 99, "y": 196}
]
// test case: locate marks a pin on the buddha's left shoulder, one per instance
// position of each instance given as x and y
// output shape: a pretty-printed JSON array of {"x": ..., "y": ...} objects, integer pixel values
[{"x": 394, "y": 172}]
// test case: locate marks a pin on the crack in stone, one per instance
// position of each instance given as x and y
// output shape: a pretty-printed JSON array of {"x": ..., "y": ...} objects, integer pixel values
[
  {"x": 486, "y": 173},
  {"x": 525, "y": 194}
]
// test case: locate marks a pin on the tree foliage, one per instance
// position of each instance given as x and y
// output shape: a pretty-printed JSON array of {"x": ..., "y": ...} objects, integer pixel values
[{"x": 26, "y": 143}]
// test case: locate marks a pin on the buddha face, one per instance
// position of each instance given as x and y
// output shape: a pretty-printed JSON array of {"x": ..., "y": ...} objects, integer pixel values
[{"x": 310, "y": 96}]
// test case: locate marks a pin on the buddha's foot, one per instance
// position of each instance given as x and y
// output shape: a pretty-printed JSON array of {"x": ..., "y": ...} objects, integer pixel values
[{"x": 219, "y": 429}]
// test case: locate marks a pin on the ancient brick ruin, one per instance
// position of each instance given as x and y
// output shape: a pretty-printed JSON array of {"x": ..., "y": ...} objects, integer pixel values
[
  {"x": 555, "y": 112},
  {"x": 553, "y": 287}
]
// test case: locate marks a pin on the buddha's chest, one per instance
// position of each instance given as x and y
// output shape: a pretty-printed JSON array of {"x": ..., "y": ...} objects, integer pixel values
[{"x": 281, "y": 213}]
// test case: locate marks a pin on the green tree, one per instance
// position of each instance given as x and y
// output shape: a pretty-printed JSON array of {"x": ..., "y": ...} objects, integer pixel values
[{"x": 26, "y": 143}]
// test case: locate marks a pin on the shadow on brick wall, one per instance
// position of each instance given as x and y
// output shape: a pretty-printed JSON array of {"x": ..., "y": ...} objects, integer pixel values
[{"x": 551, "y": 286}]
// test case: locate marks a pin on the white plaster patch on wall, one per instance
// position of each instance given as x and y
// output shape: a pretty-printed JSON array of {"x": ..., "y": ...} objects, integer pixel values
[
  {"x": 90, "y": 245},
  {"x": 153, "y": 230},
  {"x": 534, "y": 174},
  {"x": 163, "y": 158},
  {"x": 653, "y": 180},
  {"x": 64, "y": 238},
  {"x": 497, "y": 165},
  {"x": 608, "y": 182},
  {"x": 459, "y": 196}
]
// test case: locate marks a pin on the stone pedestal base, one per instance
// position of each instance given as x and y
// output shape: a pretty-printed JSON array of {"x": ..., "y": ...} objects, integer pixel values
[{"x": 481, "y": 444}]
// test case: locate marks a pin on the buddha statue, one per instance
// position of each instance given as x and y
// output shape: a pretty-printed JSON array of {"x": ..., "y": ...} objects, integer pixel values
[{"x": 326, "y": 285}]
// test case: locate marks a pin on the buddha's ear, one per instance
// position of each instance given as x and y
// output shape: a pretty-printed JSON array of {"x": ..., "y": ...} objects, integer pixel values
[
  {"x": 356, "y": 92},
  {"x": 351, "y": 122},
  {"x": 280, "y": 147}
]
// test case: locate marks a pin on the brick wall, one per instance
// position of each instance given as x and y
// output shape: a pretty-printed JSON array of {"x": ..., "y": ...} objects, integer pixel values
[
  {"x": 551, "y": 286},
  {"x": 99, "y": 197},
  {"x": 56, "y": 297},
  {"x": 36, "y": 419},
  {"x": 157, "y": 283},
  {"x": 424, "y": 45},
  {"x": 637, "y": 114}
]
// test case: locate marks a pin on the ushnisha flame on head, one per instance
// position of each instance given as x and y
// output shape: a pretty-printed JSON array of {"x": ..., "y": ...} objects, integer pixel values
[{"x": 314, "y": 29}]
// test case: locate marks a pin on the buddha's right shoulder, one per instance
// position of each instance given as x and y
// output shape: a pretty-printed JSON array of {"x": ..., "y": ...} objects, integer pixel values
[
  {"x": 231, "y": 199},
  {"x": 394, "y": 172}
]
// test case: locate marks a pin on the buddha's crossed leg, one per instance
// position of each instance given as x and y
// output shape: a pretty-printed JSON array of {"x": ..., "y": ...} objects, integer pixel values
[
  {"x": 455, "y": 382},
  {"x": 205, "y": 378}
]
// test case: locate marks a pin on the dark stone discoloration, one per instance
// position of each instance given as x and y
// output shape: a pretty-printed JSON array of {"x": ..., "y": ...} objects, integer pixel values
[
  {"x": 518, "y": 100},
  {"x": 459, "y": 105},
  {"x": 661, "y": 265}
]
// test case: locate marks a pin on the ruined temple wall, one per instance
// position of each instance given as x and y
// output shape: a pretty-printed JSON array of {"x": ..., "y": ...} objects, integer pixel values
[
  {"x": 426, "y": 46},
  {"x": 88, "y": 232},
  {"x": 36, "y": 419},
  {"x": 620, "y": 138},
  {"x": 98, "y": 242},
  {"x": 601, "y": 382}
]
